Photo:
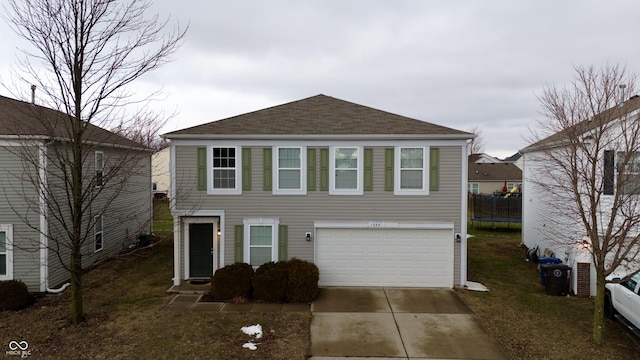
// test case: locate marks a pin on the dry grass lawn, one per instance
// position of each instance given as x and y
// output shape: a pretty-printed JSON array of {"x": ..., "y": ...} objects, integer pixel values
[
  {"x": 124, "y": 299},
  {"x": 528, "y": 323}
]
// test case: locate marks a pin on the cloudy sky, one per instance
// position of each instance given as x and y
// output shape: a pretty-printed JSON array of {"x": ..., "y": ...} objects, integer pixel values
[{"x": 461, "y": 64}]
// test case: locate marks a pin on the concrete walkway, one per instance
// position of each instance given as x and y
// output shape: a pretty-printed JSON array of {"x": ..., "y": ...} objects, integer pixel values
[{"x": 384, "y": 323}]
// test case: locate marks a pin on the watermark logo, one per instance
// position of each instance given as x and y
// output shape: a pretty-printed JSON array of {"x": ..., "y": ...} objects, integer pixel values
[{"x": 20, "y": 348}]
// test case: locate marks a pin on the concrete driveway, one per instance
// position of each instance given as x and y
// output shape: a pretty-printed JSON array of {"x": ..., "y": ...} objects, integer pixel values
[{"x": 382, "y": 323}]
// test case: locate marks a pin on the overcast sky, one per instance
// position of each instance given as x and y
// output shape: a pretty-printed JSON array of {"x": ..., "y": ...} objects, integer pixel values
[{"x": 461, "y": 64}]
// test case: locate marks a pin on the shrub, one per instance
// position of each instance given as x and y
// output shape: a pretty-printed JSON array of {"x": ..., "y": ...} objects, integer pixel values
[
  {"x": 302, "y": 286},
  {"x": 14, "y": 295},
  {"x": 232, "y": 281},
  {"x": 270, "y": 282}
]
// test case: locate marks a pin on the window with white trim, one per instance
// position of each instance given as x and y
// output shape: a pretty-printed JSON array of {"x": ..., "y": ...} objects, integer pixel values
[
  {"x": 628, "y": 167},
  {"x": 260, "y": 241},
  {"x": 225, "y": 170},
  {"x": 97, "y": 233},
  {"x": 290, "y": 176},
  {"x": 411, "y": 164},
  {"x": 6, "y": 252},
  {"x": 473, "y": 187},
  {"x": 346, "y": 165},
  {"x": 99, "y": 166}
]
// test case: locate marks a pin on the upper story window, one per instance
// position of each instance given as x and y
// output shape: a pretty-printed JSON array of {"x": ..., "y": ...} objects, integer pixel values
[
  {"x": 6, "y": 253},
  {"x": 628, "y": 166},
  {"x": 473, "y": 187},
  {"x": 411, "y": 171},
  {"x": 224, "y": 171},
  {"x": 346, "y": 165},
  {"x": 290, "y": 176},
  {"x": 99, "y": 166}
]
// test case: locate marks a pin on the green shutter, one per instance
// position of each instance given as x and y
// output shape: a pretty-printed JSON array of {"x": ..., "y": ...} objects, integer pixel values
[
  {"x": 368, "y": 169},
  {"x": 388, "y": 169},
  {"x": 434, "y": 169},
  {"x": 324, "y": 169},
  {"x": 283, "y": 242},
  {"x": 246, "y": 169},
  {"x": 202, "y": 168},
  {"x": 239, "y": 243},
  {"x": 311, "y": 169},
  {"x": 267, "y": 176}
]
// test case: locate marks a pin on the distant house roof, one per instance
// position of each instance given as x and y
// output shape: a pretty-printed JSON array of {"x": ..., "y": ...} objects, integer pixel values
[
  {"x": 320, "y": 115},
  {"x": 483, "y": 158},
  {"x": 494, "y": 172},
  {"x": 20, "y": 120},
  {"x": 513, "y": 158},
  {"x": 586, "y": 125}
]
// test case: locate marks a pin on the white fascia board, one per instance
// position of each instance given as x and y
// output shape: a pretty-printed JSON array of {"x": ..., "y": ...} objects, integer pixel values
[
  {"x": 388, "y": 142},
  {"x": 322, "y": 137}
]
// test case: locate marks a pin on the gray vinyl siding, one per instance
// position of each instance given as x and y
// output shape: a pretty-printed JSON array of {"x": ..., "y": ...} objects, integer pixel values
[
  {"x": 128, "y": 213},
  {"x": 299, "y": 212},
  {"x": 18, "y": 199}
]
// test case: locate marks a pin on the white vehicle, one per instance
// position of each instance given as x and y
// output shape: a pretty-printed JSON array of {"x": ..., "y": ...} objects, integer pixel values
[{"x": 624, "y": 299}]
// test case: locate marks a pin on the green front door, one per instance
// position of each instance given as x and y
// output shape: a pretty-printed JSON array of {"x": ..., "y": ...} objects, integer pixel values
[{"x": 201, "y": 250}]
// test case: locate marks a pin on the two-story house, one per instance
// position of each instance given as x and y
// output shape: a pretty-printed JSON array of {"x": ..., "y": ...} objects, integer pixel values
[
  {"x": 550, "y": 217},
  {"x": 372, "y": 198},
  {"x": 35, "y": 188}
]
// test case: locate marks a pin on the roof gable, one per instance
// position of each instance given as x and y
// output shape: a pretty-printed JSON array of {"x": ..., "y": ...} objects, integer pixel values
[
  {"x": 19, "y": 119},
  {"x": 319, "y": 115}
]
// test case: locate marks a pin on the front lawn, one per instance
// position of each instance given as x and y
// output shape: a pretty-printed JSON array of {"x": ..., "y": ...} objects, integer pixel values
[
  {"x": 528, "y": 323},
  {"x": 124, "y": 299}
]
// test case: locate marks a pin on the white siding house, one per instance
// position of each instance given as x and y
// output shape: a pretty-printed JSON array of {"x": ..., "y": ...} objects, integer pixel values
[{"x": 550, "y": 219}]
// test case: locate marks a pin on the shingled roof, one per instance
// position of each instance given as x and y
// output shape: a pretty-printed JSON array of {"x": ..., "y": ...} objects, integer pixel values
[
  {"x": 19, "y": 120},
  {"x": 611, "y": 114},
  {"x": 319, "y": 115},
  {"x": 494, "y": 171}
]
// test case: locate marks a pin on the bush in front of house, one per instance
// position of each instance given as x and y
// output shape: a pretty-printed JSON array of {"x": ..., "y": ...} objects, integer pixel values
[
  {"x": 232, "y": 281},
  {"x": 302, "y": 286},
  {"x": 270, "y": 282},
  {"x": 14, "y": 295}
]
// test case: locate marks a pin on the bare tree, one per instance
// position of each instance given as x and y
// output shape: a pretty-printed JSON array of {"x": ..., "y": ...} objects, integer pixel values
[
  {"x": 85, "y": 55},
  {"x": 145, "y": 130},
  {"x": 476, "y": 145},
  {"x": 584, "y": 160}
]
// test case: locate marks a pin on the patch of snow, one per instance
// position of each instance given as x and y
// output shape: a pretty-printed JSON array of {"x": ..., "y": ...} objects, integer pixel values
[
  {"x": 475, "y": 286},
  {"x": 250, "y": 346},
  {"x": 253, "y": 330}
]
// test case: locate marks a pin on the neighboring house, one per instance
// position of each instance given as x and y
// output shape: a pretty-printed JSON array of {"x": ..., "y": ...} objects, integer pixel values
[
  {"x": 489, "y": 177},
  {"x": 560, "y": 234},
  {"x": 372, "y": 198},
  {"x": 482, "y": 158},
  {"x": 30, "y": 179},
  {"x": 160, "y": 173},
  {"x": 515, "y": 159}
]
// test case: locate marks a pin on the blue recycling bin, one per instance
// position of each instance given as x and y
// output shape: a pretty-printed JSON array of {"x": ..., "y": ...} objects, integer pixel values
[{"x": 544, "y": 261}]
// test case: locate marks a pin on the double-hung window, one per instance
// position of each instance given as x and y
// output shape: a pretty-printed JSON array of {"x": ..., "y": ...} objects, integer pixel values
[
  {"x": 346, "y": 165},
  {"x": 6, "y": 252},
  {"x": 261, "y": 241},
  {"x": 473, "y": 187},
  {"x": 411, "y": 170},
  {"x": 290, "y": 176},
  {"x": 225, "y": 169},
  {"x": 99, "y": 166},
  {"x": 97, "y": 233},
  {"x": 628, "y": 165}
]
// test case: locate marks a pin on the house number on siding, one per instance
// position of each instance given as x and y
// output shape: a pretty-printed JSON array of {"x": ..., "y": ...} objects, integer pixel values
[{"x": 375, "y": 224}]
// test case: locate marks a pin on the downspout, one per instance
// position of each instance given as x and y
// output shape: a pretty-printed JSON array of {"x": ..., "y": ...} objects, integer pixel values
[
  {"x": 177, "y": 220},
  {"x": 463, "y": 220},
  {"x": 44, "y": 224}
]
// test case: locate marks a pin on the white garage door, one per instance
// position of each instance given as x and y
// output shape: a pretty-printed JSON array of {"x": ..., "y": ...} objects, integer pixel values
[{"x": 385, "y": 257}]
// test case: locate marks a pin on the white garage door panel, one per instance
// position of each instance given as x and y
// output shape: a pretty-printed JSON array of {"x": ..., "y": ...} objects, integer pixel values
[{"x": 385, "y": 257}]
